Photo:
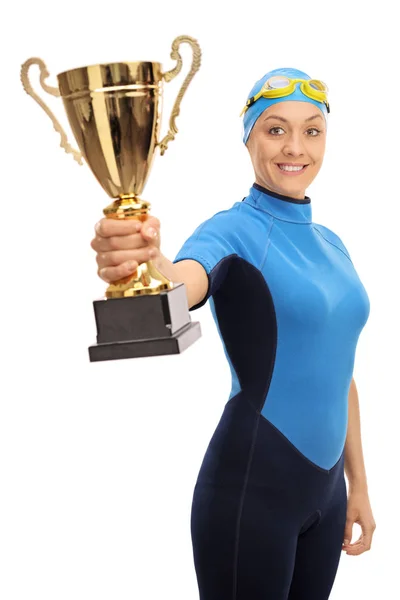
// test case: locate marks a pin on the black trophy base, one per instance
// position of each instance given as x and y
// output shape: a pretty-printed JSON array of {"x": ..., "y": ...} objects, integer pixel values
[
  {"x": 152, "y": 325},
  {"x": 140, "y": 348}
]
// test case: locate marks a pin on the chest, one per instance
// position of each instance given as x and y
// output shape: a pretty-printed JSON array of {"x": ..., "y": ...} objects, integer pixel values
[{"x": 312, "y": 282}]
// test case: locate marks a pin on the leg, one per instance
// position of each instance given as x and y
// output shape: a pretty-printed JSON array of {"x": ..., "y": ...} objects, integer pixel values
[
  {"x": 243, "y": 553},
  {"x": 266, "y": 548},
  {"x": 318, "y": 552}
]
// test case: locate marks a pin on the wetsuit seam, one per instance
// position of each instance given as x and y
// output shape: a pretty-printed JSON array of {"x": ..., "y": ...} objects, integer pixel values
[
  {"x": 286, "y": 439},
  {"x": 200, "y": 229},
  {"x": 275, "y": 319},
  {"x": 332, "y": 244},
  {"x": 312, "y": 525},
  {"x": 196, "y": 255},
  {"x": 205, "y": 263},
  {"x": 196, "y": 236},
  {"x": 266, "y": 247},
  {"x": 241, "y": 504}
]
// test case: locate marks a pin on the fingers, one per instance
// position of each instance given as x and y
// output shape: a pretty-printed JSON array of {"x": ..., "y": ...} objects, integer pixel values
[
  {"x": 363, "y": 544},
  {"x": 150, "y": 229},
  {"x": 117, "y": 242},
  {"x": 122, "y": 245},
  {"x": 357, "y": 548},
  {"x": 109, "y": 227},
  {"x": 110, "y": 274},
  {"x": 113, "y": 234},
  {"x": 366, "y": 538},
  {"x": 117, "y": 257}
]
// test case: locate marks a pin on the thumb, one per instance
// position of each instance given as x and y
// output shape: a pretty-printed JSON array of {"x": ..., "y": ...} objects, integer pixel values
[
  {"x": 348, "y": 532},
  {"x": 151, "y": 229}
]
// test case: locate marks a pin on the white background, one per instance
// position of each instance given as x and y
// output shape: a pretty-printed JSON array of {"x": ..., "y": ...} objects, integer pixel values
[{"x": 98, "y": 461}]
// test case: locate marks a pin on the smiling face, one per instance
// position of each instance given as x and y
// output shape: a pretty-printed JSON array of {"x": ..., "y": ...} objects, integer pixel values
[{"x": 285, "y": 137}]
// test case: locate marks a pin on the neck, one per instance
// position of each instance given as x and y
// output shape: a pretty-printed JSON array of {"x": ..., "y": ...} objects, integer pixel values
[
  {"x": 279, "y": 196},
  {"x": 295, "y": 194}
]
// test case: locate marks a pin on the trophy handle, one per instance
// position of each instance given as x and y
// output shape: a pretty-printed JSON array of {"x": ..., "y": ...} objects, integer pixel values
[
  {"x": 173, "y": 73},
  {"x": 54, "y": 91}
]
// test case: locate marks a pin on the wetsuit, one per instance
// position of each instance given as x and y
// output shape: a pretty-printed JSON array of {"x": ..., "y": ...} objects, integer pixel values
[{"x": 269, "y": 505}]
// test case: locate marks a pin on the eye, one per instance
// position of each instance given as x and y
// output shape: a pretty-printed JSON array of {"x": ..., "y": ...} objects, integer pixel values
[
  {"x": 316, "y": 131},
  {"x": 274, "y": 129}
]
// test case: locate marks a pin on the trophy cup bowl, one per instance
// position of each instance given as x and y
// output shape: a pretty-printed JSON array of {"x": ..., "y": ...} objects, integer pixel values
[{"x": 114, "y": 111}]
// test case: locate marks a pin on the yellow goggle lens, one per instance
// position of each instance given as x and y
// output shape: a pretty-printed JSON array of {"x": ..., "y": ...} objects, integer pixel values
[{"x": 318, "y": 85}]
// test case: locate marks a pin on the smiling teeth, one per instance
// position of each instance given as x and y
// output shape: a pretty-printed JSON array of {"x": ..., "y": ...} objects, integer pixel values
[{"x": 290, "y": 168}]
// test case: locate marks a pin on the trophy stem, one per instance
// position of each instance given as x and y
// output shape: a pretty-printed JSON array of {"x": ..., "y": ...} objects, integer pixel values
[{"x": 146, "y": 279}]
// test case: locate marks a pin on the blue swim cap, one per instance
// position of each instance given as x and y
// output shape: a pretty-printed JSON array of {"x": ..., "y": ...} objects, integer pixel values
[{"x": 251, "y": 115}]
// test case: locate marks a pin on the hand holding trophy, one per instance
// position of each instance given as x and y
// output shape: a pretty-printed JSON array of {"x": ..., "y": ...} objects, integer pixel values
[{"x": 114, "y": 111}]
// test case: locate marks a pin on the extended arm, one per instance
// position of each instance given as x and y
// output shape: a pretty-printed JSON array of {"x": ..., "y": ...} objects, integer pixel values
[
  {"x": 200, "y": 263},
  {"x": 122, "y": 245},
  {"x": 189, "y": 272}
]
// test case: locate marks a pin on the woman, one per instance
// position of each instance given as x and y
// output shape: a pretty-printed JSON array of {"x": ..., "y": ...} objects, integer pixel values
[{"x": 271, "y": 513}]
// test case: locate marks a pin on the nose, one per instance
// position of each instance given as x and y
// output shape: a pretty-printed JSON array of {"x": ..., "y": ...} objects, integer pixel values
[{"x": 294, "y": 144}]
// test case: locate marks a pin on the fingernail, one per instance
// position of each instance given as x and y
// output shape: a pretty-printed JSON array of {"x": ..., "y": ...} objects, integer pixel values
[
  {"x": 102, "y": 272},
  {"x": 138, "y": 226},
  {"x": 152, "y": 252},
  {"x": 97, "y": 227},
  {"x": 151, "y": 232},
  {"x": 132, "y": 265},
  {"x": 346, "y": 542}
]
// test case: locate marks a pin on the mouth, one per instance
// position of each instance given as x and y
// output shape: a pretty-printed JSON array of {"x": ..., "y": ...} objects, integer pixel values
[{"x": 291, "y": 168}]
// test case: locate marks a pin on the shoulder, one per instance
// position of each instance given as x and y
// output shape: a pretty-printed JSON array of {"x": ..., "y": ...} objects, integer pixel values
[
  {"x": 212, "y": 240},
  {"x": 331, "y": 237},
  {"x": 235, "y": 232},
  {"x": 220, "y": 228},
  {"x": 240, "y": 224},
  {"x": 222, "y": 221}
]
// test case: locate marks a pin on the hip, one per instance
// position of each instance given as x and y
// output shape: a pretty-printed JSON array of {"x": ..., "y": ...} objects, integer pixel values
[{"x": 248, "y": 451}]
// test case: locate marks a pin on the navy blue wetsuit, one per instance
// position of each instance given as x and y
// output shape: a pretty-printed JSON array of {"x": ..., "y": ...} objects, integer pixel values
[{"x": 269, "y": 505}]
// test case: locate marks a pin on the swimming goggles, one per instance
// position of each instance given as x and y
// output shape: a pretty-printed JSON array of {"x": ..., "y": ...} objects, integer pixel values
[{"x": 279, "y": 86}]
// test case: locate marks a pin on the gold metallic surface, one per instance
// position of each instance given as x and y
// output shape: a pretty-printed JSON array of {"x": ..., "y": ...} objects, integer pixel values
[
  {"x": 44, "y": 74},
  {"x": 114, "y": 111},
  {"x": 169, "y": 75}
]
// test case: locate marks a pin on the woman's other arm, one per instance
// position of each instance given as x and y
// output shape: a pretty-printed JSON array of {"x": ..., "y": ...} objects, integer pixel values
[{"x": 358, "y": 505}]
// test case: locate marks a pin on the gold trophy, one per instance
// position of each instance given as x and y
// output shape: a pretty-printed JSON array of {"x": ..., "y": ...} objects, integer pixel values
[{"x": 114, "y": 111}]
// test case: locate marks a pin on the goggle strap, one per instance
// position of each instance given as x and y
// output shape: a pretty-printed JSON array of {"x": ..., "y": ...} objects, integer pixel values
[{"x": 249, "y": 103}]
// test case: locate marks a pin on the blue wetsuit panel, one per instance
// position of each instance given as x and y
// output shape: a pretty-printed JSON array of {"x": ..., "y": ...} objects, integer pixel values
[{"x": 289, "y": 306}]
